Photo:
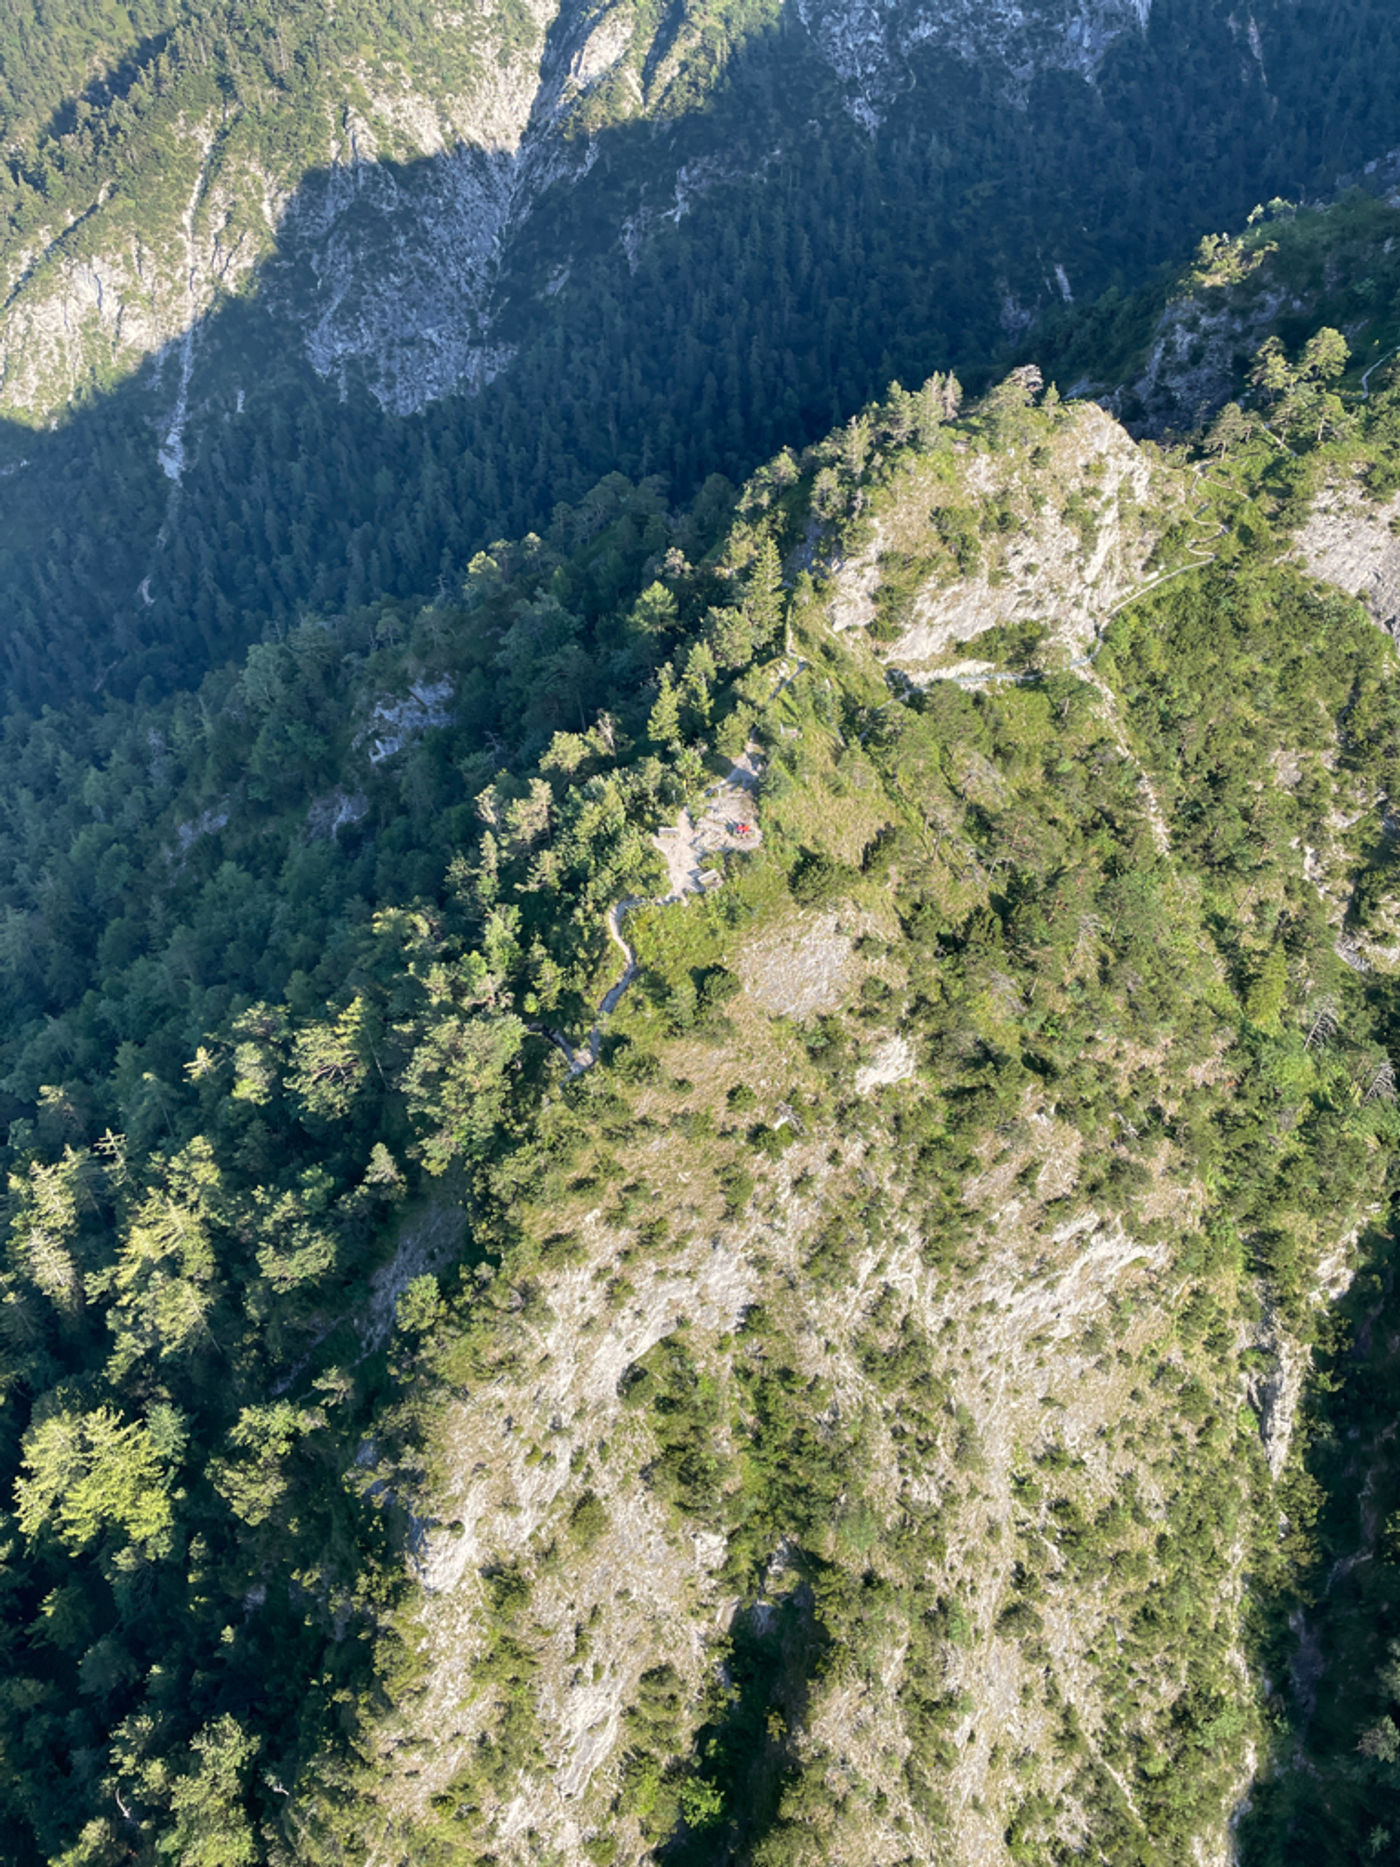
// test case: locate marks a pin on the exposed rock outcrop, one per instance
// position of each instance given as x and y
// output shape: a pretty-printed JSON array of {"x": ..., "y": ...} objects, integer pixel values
[
  {"x": 1352, "y": 541},
  {"x": 867, "y": 43},
  {"x": 1088, "y": 518}
]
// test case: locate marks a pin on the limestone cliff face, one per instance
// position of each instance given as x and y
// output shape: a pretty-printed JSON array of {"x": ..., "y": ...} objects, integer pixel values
[
  {"x": 1351, "y": 541},
  {"x": 868, "y": 41},
  {"x": 385, "y": 219}
]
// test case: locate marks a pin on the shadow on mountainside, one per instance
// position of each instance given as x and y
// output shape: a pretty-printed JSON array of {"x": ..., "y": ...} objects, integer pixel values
[
  {"x": 1326, "y": 1629},
  {"x": 747, "y": 1751},
  {"x": 707, "y": 289},
  {"x": 113, "y": 84}
]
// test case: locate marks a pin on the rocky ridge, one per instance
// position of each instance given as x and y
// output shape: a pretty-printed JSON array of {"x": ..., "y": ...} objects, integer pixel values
[
  {"x": 1087, "y": 1378},
  {"x": 1076, "y": 528}
]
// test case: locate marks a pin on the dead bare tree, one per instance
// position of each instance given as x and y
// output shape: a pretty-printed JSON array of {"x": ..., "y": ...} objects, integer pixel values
[{"x": 1324, "y": 1026}]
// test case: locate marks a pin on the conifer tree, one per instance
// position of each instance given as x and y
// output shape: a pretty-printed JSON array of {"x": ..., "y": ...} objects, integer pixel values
[
  {"x": 664, "y": 723},
  {"x": 763, "y": 597}
]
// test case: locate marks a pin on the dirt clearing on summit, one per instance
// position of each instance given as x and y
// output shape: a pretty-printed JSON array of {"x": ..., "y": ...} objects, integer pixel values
[{"x": 728, "y": 819}]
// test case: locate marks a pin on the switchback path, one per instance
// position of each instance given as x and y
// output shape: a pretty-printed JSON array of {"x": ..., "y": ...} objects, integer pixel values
[
  {"x": 586, "y": 1055},
  {"x": 1370, "y": 371}
]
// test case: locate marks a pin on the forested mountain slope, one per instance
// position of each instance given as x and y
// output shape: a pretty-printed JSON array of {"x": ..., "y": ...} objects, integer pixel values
[
  {"x": 675, "y": 1207},
  {"x": 306, "y": 306}
]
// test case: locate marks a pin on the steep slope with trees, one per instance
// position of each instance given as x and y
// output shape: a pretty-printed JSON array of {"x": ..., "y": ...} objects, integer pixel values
[
  {"x": 494, "y": 257},
  {"x": 854, "y": 1419}
]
